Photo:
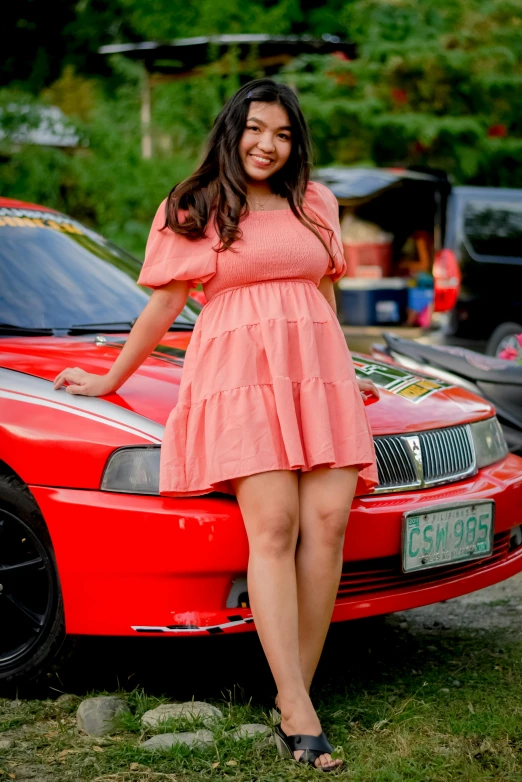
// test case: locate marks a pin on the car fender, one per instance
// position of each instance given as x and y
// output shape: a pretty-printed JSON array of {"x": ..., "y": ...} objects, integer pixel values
[{"x": 53, "y": 438}]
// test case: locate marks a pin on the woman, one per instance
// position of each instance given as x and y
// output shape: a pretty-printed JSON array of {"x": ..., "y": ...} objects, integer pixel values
[{"x": 269, "y": 406}]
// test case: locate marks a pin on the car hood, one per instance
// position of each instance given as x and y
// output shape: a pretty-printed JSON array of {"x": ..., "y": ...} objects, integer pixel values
[{"x": 408, "y": 402}]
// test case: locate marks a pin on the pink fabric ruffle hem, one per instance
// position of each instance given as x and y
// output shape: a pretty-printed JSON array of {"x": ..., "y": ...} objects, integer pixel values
[{"x": 278, "y": 392}]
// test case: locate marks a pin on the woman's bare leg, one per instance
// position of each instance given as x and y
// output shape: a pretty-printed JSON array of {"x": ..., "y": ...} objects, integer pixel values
[
  {"x": 325, "y": 499},
  {"x": 269, "y": 504}
]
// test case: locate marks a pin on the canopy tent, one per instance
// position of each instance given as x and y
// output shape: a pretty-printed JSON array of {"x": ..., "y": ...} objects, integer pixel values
[{"x": 183, "y": 57}]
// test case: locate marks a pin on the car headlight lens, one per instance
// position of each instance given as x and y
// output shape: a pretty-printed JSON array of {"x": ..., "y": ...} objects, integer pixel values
[
  {"x": 489, "y": 442},
  {"x": 133, "y": 471}
]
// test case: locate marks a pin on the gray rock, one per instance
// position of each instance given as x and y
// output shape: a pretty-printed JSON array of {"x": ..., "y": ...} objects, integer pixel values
[
  {"x": 198, "y": 739},
  {"x": 6, "y": 743},
  {"x": 97, "y": 716},
  {"x": 174, "y": 711},
  {"x": 251, "y": 730}
]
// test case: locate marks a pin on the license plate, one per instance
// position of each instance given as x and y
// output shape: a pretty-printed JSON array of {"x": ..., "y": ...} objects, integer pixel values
[{"x": 445, "y": 534}]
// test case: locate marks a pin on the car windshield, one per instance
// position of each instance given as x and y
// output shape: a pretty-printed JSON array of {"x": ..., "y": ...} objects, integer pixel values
[{"x": 57, "y": 274}]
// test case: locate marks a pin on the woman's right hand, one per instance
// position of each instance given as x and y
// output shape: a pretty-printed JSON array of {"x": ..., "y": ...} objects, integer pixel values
[
  {"x": 81, "y": 382},
  {"x": 161, "y": 310}
]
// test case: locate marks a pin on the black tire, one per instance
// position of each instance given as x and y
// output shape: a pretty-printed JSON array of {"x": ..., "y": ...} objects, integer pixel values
[
  {"x": 31, "y": 606},
  {"x": 501, "y": 336}
]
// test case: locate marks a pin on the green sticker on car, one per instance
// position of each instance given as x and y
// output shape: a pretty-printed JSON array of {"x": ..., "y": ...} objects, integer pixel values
[{"x": 398, "y": 381}]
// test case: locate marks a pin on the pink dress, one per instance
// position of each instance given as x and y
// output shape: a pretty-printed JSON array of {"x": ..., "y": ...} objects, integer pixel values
[{"x": 268, "y": 381}]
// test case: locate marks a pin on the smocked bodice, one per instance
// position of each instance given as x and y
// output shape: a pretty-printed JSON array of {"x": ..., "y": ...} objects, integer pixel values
[{"x": 274, "y": 245}]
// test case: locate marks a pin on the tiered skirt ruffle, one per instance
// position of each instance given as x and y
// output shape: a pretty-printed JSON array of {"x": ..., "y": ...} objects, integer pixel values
[{"x": 268, "y": 384}]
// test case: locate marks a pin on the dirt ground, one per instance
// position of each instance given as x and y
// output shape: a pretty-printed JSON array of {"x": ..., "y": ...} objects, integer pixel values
[{"x": 497, "y": 607}]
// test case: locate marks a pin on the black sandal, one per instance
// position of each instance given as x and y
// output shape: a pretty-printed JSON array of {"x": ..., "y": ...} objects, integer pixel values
[{"x": 312, "y": 746}]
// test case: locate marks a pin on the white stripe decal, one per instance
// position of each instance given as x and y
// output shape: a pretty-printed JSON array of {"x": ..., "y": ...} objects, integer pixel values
[
  {"x": 65, "y": 409},
  {"x": 31, "y": 390}
]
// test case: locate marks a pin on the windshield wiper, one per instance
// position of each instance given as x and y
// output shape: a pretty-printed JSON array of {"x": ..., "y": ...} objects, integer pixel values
[
  {"x": 86, "y": 328},
  {"x": 9, "y": 328},
  {"x": 117, "y": 326},
  {"x": 182, "y": 327}
]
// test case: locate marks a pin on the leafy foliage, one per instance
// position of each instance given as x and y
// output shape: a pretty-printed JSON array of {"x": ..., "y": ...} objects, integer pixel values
[{"x": 435, "y": 83}]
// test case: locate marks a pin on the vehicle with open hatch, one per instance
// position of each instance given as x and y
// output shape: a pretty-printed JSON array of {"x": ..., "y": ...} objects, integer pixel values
[
  {"x": 468, "y": 239},
  {"x": 89, "y": 547}
]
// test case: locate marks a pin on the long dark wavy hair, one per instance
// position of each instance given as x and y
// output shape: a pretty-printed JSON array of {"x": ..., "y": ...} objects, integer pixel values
[{"x": 219, "y": 185}]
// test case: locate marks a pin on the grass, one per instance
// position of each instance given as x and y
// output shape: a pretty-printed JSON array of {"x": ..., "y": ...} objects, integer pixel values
[{"x": 433, "y": 706}]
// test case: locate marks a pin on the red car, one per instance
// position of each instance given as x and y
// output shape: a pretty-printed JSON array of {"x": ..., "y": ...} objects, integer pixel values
[{"x": 87, "y": 546}]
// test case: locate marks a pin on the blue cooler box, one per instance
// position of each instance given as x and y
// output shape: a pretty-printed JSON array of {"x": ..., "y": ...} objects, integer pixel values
[{"x": 367, "y": 302}]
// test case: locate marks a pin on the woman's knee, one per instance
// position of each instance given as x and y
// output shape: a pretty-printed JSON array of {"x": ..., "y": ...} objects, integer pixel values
[
  {"x": 326, "y": 527},
  {"x": 325, "y": 499},
  {"x": 275, "y": 534},
  {"x": 269, "y": 504}
]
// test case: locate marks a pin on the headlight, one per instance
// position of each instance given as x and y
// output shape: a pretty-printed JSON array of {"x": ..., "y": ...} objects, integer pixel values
[
  {"x": 489, "y": 442},
  {"x": 133, "y": 471}
]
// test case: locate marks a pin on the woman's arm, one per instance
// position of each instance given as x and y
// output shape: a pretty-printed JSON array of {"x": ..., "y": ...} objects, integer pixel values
[
  {"x": 163, "y": 307},
  {"x": 327, "y": 289}
]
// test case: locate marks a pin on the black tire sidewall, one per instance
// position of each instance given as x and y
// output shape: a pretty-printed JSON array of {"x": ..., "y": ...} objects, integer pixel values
[{"x": 16, "y": 498}]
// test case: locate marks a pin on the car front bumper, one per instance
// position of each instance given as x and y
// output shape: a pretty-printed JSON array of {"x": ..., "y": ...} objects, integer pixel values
[{"x": 132, "y": 565}]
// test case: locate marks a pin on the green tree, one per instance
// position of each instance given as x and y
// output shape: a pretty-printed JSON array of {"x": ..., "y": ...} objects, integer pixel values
[
  {"x": 435, "y": 83},
  {"x": 167, "y": 19}
]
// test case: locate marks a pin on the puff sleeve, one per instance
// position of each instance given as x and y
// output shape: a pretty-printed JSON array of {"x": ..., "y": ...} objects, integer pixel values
[
  {"x": 169, "y": 256},
  {"x": 323, "y": 204}
]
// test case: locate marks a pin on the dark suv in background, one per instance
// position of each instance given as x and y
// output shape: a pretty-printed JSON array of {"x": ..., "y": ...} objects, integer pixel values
[{"x": 484, "y": 230}]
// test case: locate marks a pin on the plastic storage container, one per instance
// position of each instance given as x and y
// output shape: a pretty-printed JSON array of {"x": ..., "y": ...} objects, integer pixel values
[
  {"x": 367, "y": 260},
  {"x": 372, "y": 302}
]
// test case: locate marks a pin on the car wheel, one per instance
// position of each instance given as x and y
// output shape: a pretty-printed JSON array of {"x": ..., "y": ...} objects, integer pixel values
[
  {"x": 31, "y": 607},
  {"x": 504, "y": 336}
]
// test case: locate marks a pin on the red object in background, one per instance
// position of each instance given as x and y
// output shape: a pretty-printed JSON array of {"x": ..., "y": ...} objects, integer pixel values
[
  {"x": 446, "y": 275},
  {"x": 509, "y": 354},
  {"x": 419, "y": 147},
  {"x": 341, "y": 56},
  {"x": 346, "y": 78},
  {"x": 361, "y": 256},
  {"x": 399, "y": 95},
  {"x": 497, "y": 131},
  {"x": 199, "y": 296}
]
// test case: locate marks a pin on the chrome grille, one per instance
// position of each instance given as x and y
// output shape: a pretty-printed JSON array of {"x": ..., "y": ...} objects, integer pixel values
[
  {"x": 393, "y": 462},
  {"x": 446, "y": 452},
  {"x": 447, "y": 455}
]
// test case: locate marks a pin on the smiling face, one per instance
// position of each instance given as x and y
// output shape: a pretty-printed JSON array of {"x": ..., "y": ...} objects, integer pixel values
[{"x": 266, "y": 142}]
